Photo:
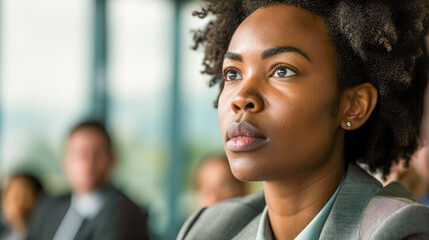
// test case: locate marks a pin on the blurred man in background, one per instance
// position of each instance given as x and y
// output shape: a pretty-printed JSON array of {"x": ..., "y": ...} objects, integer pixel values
[
  {"x": 416, "y": 176},
  {"x": 21, "y": 192},
  {"x": 214, "y": 181},
  {"x": 95, "y": 209}
]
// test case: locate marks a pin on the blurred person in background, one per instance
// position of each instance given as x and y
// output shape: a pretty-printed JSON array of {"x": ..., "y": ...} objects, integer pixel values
[
  {"x": 2, "y": 226},
  {"x": 21, "y": 192},
  {"x": 95, "y": 209},
  {"x": 416, "y": 176},
  {"x": 214, "y": 181}
]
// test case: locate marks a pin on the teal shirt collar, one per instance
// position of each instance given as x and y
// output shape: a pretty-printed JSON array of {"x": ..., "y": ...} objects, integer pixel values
[{"x": 313, "y": 229}]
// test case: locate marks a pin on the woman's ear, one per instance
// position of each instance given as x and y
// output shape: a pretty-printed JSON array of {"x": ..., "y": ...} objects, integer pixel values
[{"x": 357, "y": 105}]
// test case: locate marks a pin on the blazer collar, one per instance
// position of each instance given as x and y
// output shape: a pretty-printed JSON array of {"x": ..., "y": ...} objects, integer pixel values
[{"x": 345, "y": 217}]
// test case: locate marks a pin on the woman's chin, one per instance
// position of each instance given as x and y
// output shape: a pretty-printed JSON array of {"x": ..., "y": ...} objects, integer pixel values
[{"x": 247, "y": 172}]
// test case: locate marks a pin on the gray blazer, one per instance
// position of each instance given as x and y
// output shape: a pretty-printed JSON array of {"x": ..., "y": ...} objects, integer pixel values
[{"x": 363, "y": 209}]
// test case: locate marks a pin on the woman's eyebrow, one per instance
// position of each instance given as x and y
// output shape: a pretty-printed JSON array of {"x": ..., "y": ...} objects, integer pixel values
[
  {"x": 277, "y": 50},
  {"x": 233, "y": 56}
]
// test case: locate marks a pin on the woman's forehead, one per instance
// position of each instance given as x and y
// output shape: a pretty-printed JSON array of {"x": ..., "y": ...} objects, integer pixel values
[
  {"x": 285, "y": 12},
  {"x": 281, "y": 25}
]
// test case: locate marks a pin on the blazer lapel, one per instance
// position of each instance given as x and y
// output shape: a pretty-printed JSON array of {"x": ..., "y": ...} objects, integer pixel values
[
  {"x": 250, "y": 230},
  {"x": 54, "y": 217},
  {"x": 345, "y": 217}
]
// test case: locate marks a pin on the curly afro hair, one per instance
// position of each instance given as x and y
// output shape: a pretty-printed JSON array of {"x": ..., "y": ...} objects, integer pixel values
[{"x": 377, "y": 41}]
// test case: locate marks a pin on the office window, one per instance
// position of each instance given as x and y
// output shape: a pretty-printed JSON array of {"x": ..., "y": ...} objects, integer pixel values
[
  {"x": 140, "y": 73},
  {"x": 45, "y": 51}
]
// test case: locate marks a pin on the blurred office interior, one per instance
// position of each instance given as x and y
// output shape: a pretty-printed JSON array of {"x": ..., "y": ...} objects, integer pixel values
[{"x": 126, "y": 62}]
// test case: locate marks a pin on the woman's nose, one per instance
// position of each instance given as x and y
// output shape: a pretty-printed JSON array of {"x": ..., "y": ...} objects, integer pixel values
[{"x": 247, "y": 100}]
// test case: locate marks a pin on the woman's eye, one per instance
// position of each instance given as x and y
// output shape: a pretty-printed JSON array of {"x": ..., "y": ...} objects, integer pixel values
[
  {"x": 232, "y": 75},
  {"x": 283, "y": 72}
]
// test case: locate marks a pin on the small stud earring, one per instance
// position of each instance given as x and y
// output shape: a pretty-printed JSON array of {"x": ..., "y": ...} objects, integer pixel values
[{"x": 348, "y": 125}]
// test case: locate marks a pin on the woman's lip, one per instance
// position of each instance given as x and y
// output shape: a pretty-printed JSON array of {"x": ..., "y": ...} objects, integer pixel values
[
  {"x": 244, "y": 137},
  {"x": 243, "y": 129},
  {"x": 243, "y": 144}
]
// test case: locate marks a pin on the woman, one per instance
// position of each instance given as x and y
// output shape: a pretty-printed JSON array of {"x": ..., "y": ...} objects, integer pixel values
[
  {"x": 214, "y": 181},
  {"x": 21, "y": 192},
  {"x": 308, "y": 89}
]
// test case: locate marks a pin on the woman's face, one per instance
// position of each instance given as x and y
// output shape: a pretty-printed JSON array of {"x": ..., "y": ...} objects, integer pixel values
[
  {"x": 18, "y": 201},
  {"x": 278, "y": 110}
]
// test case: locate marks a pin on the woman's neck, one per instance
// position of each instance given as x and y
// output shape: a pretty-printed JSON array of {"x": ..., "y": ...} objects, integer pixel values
[{"x": 294, "y": 201}]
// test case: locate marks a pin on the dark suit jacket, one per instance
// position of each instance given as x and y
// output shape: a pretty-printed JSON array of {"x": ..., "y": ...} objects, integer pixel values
[
  {"x": 2, "y": 227},
  {"x": 363, "y": 209},
  {"x": 119, "y": 219}
]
